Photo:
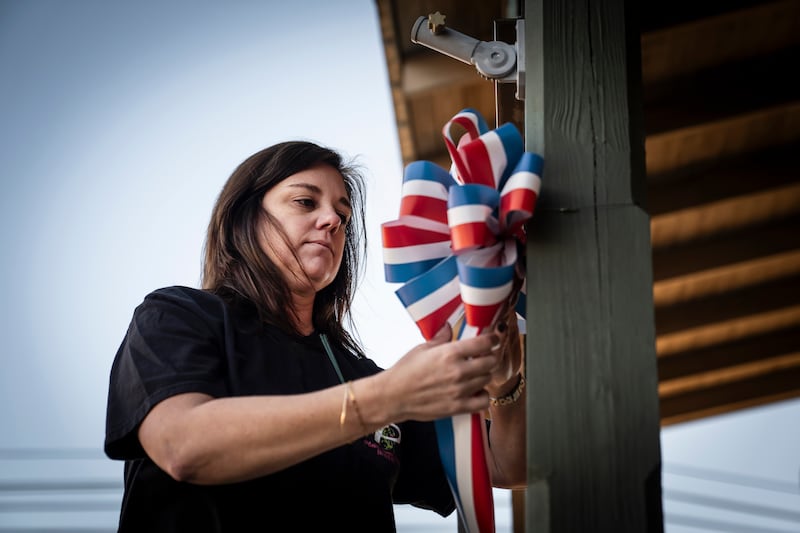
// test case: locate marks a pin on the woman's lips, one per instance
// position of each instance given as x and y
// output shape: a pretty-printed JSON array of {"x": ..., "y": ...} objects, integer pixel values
[{"x": 323, "y": 244}]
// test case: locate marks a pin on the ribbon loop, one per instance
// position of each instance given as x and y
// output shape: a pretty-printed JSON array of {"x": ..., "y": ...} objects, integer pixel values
[{"x": 472, "y": 216}]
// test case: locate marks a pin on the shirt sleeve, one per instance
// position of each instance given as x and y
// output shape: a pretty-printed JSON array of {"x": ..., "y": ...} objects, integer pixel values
[
  {"x": 173, "y": 345},
  {"x": 422, "y": 481}
]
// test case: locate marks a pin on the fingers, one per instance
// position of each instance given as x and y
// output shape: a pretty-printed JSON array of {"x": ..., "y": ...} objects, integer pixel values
[
  {"x": 462, "y": 348},
  {"x": 469, "y": 364},
  {"x": 469, "y": 390},
  {"x": 477, "y": 346},
  {"x": 442, "y": 377}
]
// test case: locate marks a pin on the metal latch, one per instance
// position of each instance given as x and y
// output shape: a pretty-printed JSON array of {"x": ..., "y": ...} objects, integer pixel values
[{"x": 494, "y": 60}]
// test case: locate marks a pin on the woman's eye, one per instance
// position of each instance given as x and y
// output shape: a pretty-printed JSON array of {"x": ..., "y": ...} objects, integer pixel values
[
  {"x": 344, "y": 218},
  {"x": 305, "y": 202}
]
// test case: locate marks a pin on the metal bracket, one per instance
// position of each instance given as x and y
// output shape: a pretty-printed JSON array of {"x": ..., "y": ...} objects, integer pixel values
[{"x": 494, "y": 60}]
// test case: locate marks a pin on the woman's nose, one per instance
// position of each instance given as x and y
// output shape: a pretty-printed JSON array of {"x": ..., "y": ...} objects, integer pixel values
[{"x": 330, "y": 219}]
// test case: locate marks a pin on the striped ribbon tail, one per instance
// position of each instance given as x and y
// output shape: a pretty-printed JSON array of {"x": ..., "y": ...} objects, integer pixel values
[
  {"x": 454, "y": 249},
  {"x": 462, "y": 444}
]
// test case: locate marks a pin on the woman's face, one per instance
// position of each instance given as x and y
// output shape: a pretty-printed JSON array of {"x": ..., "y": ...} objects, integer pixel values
[{"x": 313, "y": 209}]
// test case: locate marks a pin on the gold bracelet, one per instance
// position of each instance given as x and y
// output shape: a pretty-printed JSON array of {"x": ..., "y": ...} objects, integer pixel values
[
  {"x": 350, "y": 395},
  {"x": 343, "y": 414},
  {"x": 512, "y": 396}
]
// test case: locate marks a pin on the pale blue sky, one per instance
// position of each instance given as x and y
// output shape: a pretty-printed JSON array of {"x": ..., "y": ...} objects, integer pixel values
[{"x": 120, "y": 123}]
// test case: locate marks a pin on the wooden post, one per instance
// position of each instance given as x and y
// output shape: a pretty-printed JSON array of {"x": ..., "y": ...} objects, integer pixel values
[{"x": 593, "y": 419}]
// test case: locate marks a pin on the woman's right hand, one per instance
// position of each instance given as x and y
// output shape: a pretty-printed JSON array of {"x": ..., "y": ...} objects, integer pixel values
[{"x": 440, "y": 378}]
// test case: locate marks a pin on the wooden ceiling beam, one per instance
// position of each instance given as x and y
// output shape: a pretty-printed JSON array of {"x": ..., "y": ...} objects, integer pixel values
[
  {"x": 734, "y": 329},
  {"x": 727, "y": 317},
  {"x": 722, "y": 139},
  {"x": 731, "y": 374},
  {"x": 742, "y": 246},
  {"x": 750, "y": 301},
  {"x": 781, "y": 384},
  {"x": 726, "y": 278},
  {"x": 734, "y": 261},
  {"x": 697, "y": 223},
  {"x": 723, "y": 91},
  {"x": 711, "y": 181},
  {"x": 730, "y": 354},
  {"x": 680, "y": 50}
]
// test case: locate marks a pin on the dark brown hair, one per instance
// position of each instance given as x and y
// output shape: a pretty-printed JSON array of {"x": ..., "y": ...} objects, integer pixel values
[{"x": 238, "y": 270}]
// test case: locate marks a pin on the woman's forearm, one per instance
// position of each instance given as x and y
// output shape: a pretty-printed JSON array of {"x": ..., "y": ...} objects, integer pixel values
[
  {"x": 203, "y": 440},
  {"x": 507, "y": 449}
]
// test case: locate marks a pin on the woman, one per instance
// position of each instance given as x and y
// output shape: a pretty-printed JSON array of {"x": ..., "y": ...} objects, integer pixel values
[{"x": 247, "y": 405}]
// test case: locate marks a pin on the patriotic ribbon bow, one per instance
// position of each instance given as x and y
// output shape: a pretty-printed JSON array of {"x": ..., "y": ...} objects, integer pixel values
[{"x": 454, "y": 247}]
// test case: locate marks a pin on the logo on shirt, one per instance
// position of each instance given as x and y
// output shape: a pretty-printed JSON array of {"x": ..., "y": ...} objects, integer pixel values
[
  {"x": 388, "y": 437},
  {"x": 385, "y": 442}
]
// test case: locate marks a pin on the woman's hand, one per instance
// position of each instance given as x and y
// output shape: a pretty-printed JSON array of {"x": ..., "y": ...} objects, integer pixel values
[{"x": 441, "y": 377}]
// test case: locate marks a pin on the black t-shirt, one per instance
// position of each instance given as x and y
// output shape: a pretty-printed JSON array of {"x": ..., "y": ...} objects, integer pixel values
[{"x": 186, "y": 340}]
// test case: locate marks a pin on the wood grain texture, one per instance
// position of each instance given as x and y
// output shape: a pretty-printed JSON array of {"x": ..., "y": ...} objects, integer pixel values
[{"x": 593, "y": 401}]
